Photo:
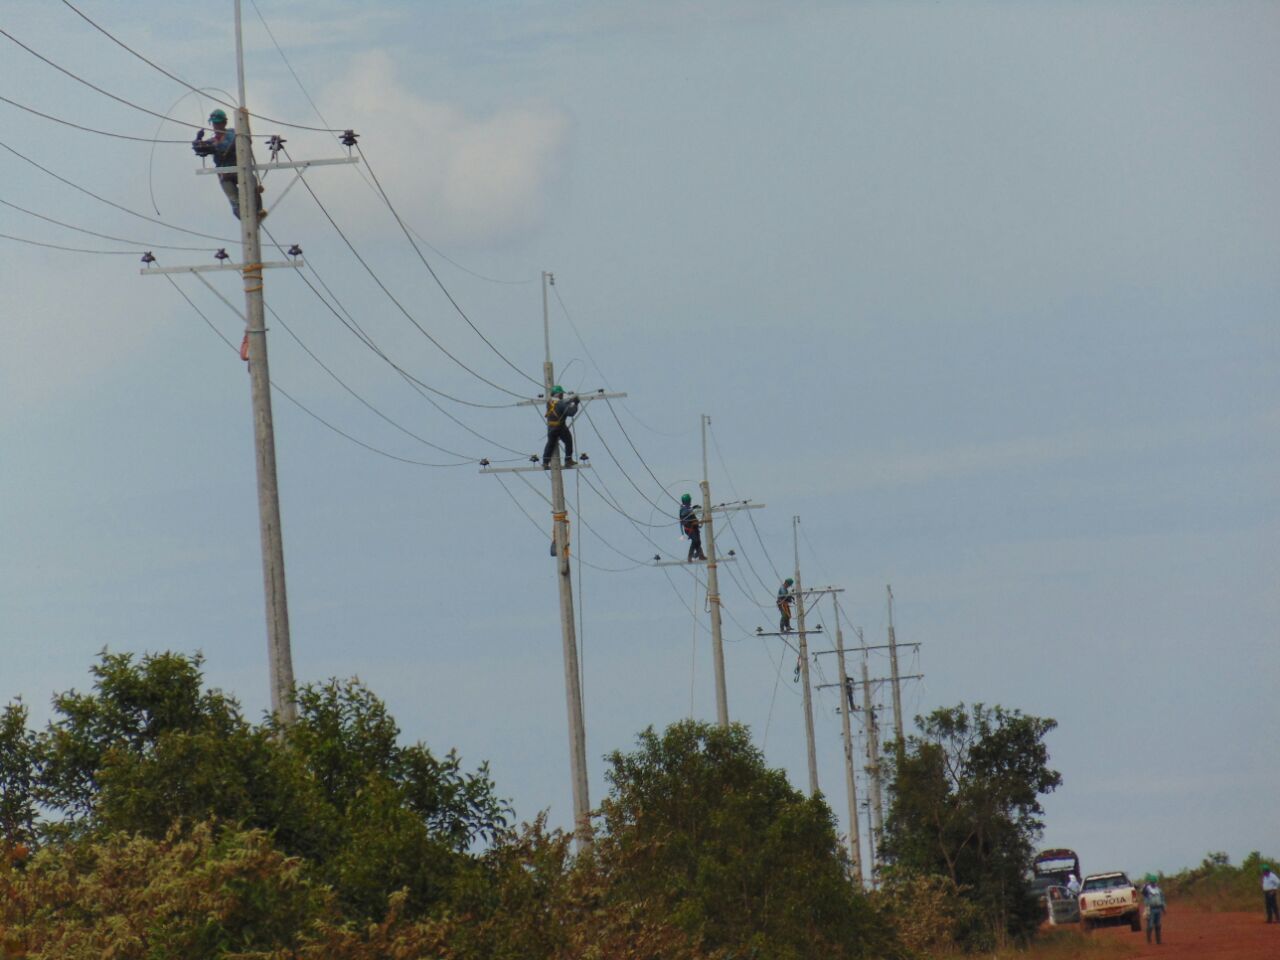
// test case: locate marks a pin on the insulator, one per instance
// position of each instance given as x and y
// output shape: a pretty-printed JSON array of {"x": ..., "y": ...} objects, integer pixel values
[
  {"x": 534, "y": 458},
  {"x": 583, "y": 457},
  {"x": 222, "y": 254},
  {"x": 295, "y": 251},
  {"x": 484, "y": 462},
  {"x": 148, "y": 258},
  {"x": 349, "y": 138},
  {"x": 275, "y": 143}
]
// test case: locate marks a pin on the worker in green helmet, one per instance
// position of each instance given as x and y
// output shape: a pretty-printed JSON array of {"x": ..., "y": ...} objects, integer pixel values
[
  {"x": 785, "y": 598},
  {"x": 560, "y": 409},
  {"x": 222, "y": 147},
  {"x": 691, "y": 527},
  {"x": 1153, "y": 900}
]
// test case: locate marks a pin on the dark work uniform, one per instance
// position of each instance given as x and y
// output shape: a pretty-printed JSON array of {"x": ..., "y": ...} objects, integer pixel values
[
  {"x": 224, "y": 155},
  {"x": 558, "y": 414},
  {"x": 693, "y": 530},
  {"x": 784, "y": 608}
]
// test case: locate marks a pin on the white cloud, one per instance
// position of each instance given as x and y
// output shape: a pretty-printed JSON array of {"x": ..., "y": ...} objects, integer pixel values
[{"x": 460, "y": 178}]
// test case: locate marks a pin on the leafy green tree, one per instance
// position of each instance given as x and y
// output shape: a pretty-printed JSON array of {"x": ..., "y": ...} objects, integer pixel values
[
  {"x": 149, "y": 745},
  {"x": 18, "y": 773},
  {"x": 966, "y": 805},
  {"x": 739, "y": 860}
]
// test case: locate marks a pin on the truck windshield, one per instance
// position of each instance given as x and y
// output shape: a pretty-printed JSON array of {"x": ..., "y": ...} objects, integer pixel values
[{"x": 1048, "y": 867}]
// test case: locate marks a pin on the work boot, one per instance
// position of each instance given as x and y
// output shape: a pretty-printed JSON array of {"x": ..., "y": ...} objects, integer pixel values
[
  {"x": 545, "y": 465},
  {"x": 570, "y": 462}
]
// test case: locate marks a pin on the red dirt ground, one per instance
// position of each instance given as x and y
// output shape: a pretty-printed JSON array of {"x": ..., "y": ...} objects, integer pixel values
[{"x": 1195, "y": 935}]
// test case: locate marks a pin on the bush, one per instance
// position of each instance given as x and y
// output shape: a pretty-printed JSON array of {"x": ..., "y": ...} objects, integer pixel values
[{"x": 1216, "y": 885}]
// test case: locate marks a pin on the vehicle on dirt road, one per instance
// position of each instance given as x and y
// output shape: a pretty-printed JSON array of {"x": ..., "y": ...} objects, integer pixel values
[
  {"x": 1109, "y": 898},
  {"x": 1061, "y": 906},
  {"x": 1052, "y": 868}
]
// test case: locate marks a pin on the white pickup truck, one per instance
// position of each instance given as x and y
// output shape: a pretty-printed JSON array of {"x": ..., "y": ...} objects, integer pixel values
[{"x": 1107, "y": 898}]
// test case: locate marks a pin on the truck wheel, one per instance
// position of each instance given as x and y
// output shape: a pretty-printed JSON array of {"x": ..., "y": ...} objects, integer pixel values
[{"x": 1135, "y": 922}]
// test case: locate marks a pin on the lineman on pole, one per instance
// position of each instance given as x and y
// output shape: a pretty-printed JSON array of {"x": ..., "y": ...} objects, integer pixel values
[
  {"x": 559, "y": 411},
  {"x": 691, "y": 527},
  {"x": 222, "y": 147},
  {"x": 785, "y": 597}
]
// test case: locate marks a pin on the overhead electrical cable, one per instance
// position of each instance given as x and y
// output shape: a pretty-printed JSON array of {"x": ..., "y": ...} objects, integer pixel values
[
  {"x": 176, "y": 79},
  {"x": 139, "y": 244},
  {"x": 100, "y": 199},
  {"x": 436, "y": 277},
  {"x": 92, "y": 86},
  {"x": 302, "y": 87},
  {"x": 77, "y": 126},
  {"x": 617, "y": 462},
  {"x": 56, "y": 246},
  {"x": 284, "y": 393},
  {"x": 383, "y": 287},
  {"x": 349, "y": 322}
]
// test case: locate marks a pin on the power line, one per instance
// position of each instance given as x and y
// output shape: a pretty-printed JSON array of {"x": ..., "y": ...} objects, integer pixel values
[
  {"x": 140, "y": 244},
  {"x": 434, "y": 276},
  {"x": 383, "y": 287},
  {"x": 176, "y": 79},
  {"x": 77, "y": 126},
  {"x": 92, "y": 86},
  {"x": 109, "y": 203},
  {"x": 297, "y": 403},
  {"x": 55, "y": 246}
]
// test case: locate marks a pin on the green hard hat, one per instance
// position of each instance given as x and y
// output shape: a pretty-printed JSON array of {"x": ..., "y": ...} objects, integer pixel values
[
  {"x": 789, "y": 581},
  {"x": 557, "y": 390},
  {"x": 218, "y": 116},
  {"x": 1151, "y": 878},
  {"x": 686, "y": 499}
]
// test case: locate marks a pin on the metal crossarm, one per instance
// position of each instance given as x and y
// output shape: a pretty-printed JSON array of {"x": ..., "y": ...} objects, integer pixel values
[{"x": 213, "y": 268}]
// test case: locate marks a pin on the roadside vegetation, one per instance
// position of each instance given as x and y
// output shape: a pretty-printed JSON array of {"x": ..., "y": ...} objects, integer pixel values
[
  {"x": 1216, "y": 885},
  {"x": 150, "y": 820}
]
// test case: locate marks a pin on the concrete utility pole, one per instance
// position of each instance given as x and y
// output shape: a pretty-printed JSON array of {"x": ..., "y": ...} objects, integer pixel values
[
  {"x": 804, "y": 663},
  {"x": 897, "y": 684},
  {"x": 279, "y": 653},
  {"x": 713, "y": 588},
  {"x": 873, "y": 759},
  {"x": 560, "y": 547},
  {"x": 572, "y": 676},
  {"x": 871, "y": 842},
  {"x": 846, "y": 705}
]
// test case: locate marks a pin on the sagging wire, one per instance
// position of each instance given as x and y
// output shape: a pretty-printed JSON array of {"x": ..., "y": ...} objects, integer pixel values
[
  {"x": 434, "y": 276},
  {"x": 56, "y": 246},
  {"x": 139, "y": 244},
  {"x": 176, "y": 79},
  {"x": 354, "y": 328},
  {"x": 297, "y": 403},
  {"x": 408, "y": 316},
  {"x": 100, "y": 199},
  {"x": 77, "y": 126}
]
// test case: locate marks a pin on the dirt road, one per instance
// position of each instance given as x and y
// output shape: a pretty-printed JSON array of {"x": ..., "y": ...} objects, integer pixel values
[{"x": 1193, "y": 935}]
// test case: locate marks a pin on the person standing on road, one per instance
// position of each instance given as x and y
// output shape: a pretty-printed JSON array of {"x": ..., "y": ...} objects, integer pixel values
[
  {"x": 1270, "y": 884},
  {"x": 1153, "y": 896}
]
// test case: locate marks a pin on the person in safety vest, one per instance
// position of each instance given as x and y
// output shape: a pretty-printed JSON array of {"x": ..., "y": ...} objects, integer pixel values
[
  {"x": 691, "y": 527},
  {"x": 222, "y": 147},
  {"x": 785, "y": 596},
  {"x": 559, "y": 410}
]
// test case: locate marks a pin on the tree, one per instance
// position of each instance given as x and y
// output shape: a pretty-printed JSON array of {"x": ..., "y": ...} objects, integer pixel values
[
  {"x": 149, "y": 746},
  {"x": 17, "y": 777},
  {"x": 966, "y": 805},
  {"x": 698, "y": 824}
]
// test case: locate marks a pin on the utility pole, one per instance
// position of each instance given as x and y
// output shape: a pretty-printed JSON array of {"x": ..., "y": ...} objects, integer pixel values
[
  {"x": 804, "y": 663},
  {"x": 560, "y": 547},
  {"x": 846, "y": 697},
  {"x": 873, "y": 757},
  {"x": 897, "y": 686},
  {"x": 713, "y": 588},
  {"x": 279, "y": 652},
  {"x": 871, "y": 841}
]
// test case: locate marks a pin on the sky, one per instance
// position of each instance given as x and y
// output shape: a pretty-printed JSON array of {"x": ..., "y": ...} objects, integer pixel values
[{"x": 984, "y": 293}]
